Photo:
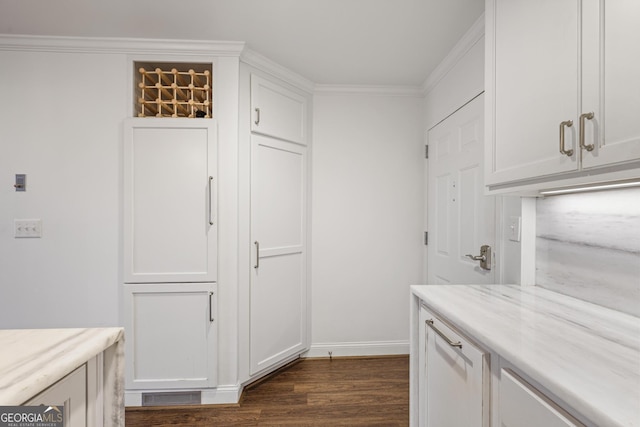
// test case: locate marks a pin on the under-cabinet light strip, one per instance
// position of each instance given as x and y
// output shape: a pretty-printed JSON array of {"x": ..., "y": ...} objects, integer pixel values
[{"x": 592, "y": 187}]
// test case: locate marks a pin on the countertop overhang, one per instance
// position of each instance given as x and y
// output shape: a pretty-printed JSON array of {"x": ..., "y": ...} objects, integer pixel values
[
  {"x": 33, "y": 359},
  {"x": 586, "y": 355}
]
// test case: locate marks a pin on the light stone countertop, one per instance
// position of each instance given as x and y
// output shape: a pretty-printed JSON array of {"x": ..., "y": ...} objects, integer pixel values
[
  {"x": 585, "y": 354},
  {"x": 33, "y": 359}
]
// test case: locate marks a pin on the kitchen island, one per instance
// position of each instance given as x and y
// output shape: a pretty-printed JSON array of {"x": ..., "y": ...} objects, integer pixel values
[
  {"x": 577, "y": 361},
  {"x": 82, "y": 368}
]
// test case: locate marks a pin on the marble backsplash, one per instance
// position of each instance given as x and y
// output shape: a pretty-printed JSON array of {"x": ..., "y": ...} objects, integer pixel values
[{"x": 588, "y": 246}]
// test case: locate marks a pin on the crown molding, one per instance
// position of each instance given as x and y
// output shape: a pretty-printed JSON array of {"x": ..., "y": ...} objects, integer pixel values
[
  {"x": 380, "y": 90},
  {"x": 470, "y": 38},
  {"x": 261, "y": 62},
  {"x": 119, "y": 45}
]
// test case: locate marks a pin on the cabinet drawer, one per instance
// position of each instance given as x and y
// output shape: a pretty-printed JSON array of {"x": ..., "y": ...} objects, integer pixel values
[
  {"x": 454, "y": 381},
  {"x": 70, "y": 391},
  {"x": 521, "y": 405}
]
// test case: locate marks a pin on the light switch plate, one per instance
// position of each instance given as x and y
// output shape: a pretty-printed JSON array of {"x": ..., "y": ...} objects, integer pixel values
[
  {"x": 27, "y": 228},
  {"x": 513, "y": 228}
]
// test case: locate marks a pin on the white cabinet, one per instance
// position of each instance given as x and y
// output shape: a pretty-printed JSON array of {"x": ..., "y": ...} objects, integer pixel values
[
  {"x": 522, "y": 405},
  {"x": 70, "y": 395},
  {"x": 278, "y": 297},
  {"x": 170, "y": 181},
  {"x": 278, "y": 111},
  {"x": 171, "y": 335},
  {"x": 453, "y": 385},
  {"x": 549, "y": 65},
  {"x": 170, "y": 253},
  {"x": 610, "y": 85}
]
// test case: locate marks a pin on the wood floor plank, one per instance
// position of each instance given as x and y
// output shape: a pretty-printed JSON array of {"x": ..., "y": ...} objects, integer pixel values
[{"x": 313, "y": 392}]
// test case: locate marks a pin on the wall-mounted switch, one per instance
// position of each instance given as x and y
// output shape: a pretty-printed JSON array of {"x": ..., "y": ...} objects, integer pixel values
[
  {"x": 514, "y": 228},
  {"x": 21, "y": 182},
  {"x": 27, "y": 228}
]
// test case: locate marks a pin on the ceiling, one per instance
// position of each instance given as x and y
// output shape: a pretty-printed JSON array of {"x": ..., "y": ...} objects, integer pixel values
[{"x": 350, "y": 42}]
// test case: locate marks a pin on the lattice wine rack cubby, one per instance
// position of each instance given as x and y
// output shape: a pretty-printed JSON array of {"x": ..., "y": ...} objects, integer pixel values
[{"x": 174, "y": 90}]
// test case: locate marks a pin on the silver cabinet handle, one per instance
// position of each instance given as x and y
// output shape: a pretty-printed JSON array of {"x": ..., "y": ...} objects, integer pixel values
[
  {"x": 587, "y": 116},
  {"x": 567, "y": 123},
  {"x": 211, "y": 307},
  {"x": 257, "y": 254},
  {"x": 210, "y": 197},
  {"x": 257, "y": 121},
  {"x": 443, "y": 336}
]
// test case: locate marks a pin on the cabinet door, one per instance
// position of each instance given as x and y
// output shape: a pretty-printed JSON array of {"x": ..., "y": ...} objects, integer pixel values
[
  {"x": 521, "y": 405},
  {"x": 278, "y": 300},
  {"x": 532, "y": 85},
  {"x": 170, "y": 221},
  {"x": 171, "y": 335},
  {"x": 71, "y": 391},
  {"x": 611, "y": 87},
  {"x": 277, "y": 111},
  {"x": 454, "y": 390}
]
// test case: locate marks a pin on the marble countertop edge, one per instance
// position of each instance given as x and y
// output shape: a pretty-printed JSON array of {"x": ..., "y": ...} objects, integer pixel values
[
  {"x": 529, "y": 306},
  {"x": 33, "y": 368}
]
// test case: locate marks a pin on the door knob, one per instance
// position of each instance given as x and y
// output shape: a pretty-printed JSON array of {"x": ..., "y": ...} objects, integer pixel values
[{"x": 484, "y": 257}]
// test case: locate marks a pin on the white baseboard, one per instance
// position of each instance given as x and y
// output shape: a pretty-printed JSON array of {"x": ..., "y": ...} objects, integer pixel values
[
  {"x": 219, "y": 395},
  {"x": 370, "y": 348},
  {"x": 224, "y": 394}
]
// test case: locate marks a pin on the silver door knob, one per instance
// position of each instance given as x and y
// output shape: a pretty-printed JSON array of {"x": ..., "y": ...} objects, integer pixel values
[{"x": 484, "y": 257}]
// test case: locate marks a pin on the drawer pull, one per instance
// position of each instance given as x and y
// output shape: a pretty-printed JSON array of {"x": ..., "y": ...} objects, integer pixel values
[{"x": 443, "y": 336}]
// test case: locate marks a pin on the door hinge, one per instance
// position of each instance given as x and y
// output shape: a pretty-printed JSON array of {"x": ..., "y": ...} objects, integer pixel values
[
  {"x": 426, "y": 238},
  {"x": 426, "y": 151}
]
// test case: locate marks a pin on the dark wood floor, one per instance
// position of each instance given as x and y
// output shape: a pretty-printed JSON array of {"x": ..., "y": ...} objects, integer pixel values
[{"x": 312, "y": 392}]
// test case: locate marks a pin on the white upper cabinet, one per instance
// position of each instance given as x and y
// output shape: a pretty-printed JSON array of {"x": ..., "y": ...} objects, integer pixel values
[
  {"x": 611, "y": 83},
  {"x": 560, "y": 73},
  {"x": 533, "y": 87},
  {"x": 170, "y": 221},
  {"x": 277, "y": 111}
]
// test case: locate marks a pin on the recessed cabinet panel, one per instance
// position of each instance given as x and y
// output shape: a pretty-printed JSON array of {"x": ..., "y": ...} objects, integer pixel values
[
  {"x": 170, "y": 200},
  {"x": 277, "y": 310},
  {"x": 521, "y": 405},
  {"x": 611, "y": 86},
  {"x": 278, "y": 302},
  {"x": 452, "y": 386},
  {"x": 535, "y": 87},
  {"x": 171, "y": 335},
  {"x": 277, "y": 111}
]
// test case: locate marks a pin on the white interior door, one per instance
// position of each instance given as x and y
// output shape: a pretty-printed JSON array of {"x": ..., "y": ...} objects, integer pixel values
[
  {"x": 278, "y": 228},
  {"x": 460, "y": 217}
]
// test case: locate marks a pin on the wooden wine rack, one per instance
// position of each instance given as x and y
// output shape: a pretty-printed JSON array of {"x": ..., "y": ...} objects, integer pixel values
[{"x": 174, "y": 93}]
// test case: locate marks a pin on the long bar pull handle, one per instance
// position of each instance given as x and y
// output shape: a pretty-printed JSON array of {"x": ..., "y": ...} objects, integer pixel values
[
  {"x": 567, "y": 123},
  {"x": 211, "y": 307},
  {"x": 587, "y": 116},
  {"x": 257, "y": 121},
  {"x": 443, "y": 336},
  {"x": 210, "y": 197},
  {"x": 257, "y": 254}
]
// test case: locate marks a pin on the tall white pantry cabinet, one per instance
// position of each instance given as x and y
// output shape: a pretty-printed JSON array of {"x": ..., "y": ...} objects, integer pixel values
[
  {"x": 279, "y": 199},
  {"x": 170, "y": 253}
]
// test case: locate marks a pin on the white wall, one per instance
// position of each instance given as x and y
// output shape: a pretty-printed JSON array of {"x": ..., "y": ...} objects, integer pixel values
[
  {"x": 366, "y": 221},
  {"x": 60, "y": 124}
]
